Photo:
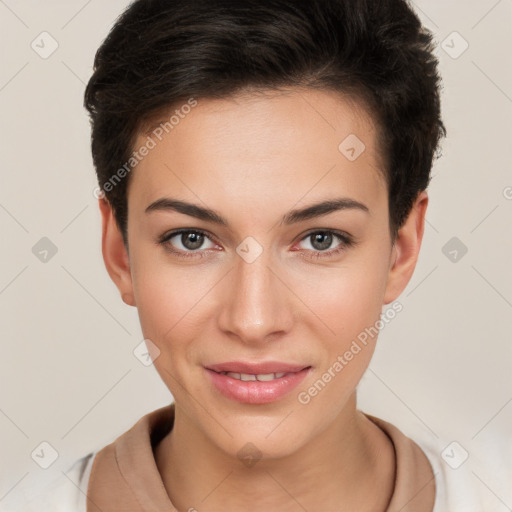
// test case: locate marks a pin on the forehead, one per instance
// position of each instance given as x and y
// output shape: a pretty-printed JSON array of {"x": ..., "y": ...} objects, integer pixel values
[{"x": 258, "y": 147}]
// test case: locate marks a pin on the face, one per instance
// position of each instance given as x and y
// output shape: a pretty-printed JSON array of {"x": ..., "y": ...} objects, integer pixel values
[{"x": 258, "y": 232}]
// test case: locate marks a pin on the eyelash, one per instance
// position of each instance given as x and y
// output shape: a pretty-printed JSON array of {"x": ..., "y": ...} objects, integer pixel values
[{"x": 346, "y": 239}]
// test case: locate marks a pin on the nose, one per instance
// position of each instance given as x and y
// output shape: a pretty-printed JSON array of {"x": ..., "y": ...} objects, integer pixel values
[{"x": 256, "y": 306}]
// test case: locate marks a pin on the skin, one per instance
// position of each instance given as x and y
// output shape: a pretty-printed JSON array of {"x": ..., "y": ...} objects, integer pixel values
[{"x": 253, "y": 158}]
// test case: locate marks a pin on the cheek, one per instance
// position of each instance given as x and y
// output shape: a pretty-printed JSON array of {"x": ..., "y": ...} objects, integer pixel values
[
  {"x": 346, "y": 299},
  {"x": 350, "y": 305},
  {"x": 171, "y": 301},
  {"x": 358, "y": 302},
  {"x": 167, "y": 310}
]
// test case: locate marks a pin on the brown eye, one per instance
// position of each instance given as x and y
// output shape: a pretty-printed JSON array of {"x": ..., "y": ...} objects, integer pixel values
[
  {"x": 192, "y": 240},
  {"x": 321, "y": 240},
  {"x": 186, "y": 241},
  {"x": 321, "y": 243}
]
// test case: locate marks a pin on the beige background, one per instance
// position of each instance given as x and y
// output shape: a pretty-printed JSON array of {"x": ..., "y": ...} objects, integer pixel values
[{"x": 69, "y": 377}]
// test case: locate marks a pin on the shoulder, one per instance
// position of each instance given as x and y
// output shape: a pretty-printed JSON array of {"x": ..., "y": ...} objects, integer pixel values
[
  {"x": 469, "y": 476},
  {"x": 472, "y": 474},
  {"x": 67, "y": 490},
  {"x": 64, "y": 491}
]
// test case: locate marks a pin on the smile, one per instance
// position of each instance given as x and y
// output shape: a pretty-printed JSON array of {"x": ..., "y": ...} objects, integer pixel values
[{"x": 262, "y": 377}]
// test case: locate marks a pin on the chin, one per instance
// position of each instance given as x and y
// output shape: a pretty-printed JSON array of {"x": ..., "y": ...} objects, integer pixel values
[{"x": 255, "y": 446}]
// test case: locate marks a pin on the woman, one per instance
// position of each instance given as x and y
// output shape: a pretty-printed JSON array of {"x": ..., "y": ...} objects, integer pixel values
[{"x": 262, "y": 171}]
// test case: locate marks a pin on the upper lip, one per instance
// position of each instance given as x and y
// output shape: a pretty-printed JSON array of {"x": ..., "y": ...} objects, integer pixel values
[{"x": 256, "y": 368}]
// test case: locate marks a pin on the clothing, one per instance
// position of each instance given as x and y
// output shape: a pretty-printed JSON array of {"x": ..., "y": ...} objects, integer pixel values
[{"x": 123, "y": 476}]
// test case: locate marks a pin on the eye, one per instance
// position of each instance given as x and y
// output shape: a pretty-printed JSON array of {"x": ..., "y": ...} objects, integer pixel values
[
  {"x": 320, "y": 243},
  {"x": 186, "y": 241}
]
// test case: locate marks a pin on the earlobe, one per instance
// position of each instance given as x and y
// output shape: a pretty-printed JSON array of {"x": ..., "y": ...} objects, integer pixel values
[
  {"x": 406, "y": 249},
  {"x": 115, "y": 255}
]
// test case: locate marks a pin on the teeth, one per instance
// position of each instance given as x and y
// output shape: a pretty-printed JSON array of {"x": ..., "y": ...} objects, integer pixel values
[
  {"x": 264, "y": 377},
  {"x": 269, "y": 376}
]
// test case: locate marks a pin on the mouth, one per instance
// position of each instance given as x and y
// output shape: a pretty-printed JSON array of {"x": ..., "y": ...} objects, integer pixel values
[
  {"x": 261, "y": 377},
  {"x": 256, "y": 383},
  {"x": 263, "y": 368}
]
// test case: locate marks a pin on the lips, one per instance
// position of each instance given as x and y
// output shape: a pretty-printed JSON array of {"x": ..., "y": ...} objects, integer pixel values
[{"x": 256, "y": 383}]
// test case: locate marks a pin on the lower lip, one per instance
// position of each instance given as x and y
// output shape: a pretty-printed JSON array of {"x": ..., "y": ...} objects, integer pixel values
[{"x": 254, "y": 391}]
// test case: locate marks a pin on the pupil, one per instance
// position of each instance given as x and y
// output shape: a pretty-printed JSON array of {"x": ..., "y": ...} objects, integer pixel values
[
  {"x": 322, "y": 241},
  {"x": 192, "y": 240}
]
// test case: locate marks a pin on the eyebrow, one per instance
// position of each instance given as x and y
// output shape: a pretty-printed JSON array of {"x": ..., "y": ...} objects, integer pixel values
[{"x": 292, "y": 217}]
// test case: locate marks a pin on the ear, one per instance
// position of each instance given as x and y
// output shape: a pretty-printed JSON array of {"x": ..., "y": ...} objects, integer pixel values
[
  {"x": 406, "y": 249},
  {"x": 115, "y": 254}
]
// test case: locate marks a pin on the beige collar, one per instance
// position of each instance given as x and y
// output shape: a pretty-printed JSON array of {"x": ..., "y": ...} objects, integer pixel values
[{"x": 124, "y": 476}]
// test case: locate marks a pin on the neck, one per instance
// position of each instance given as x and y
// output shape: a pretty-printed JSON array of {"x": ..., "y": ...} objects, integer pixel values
[{"x": 349, "y": 466}]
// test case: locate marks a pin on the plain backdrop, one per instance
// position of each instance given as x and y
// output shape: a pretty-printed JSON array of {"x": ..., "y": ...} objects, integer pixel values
[{"x": 69, "y": 377}]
